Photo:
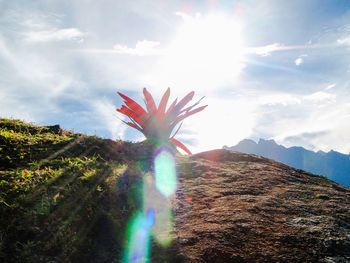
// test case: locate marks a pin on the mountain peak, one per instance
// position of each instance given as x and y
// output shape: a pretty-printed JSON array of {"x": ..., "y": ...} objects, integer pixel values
[
  {"x": 333, "y": 164},
  {"x": 270, "y": 142},
  {"x": 321, "y": 152}
]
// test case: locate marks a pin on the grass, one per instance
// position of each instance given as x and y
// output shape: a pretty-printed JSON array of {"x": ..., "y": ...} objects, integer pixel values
[
  {"x": 64, "y": 196},
  {"x": 322, "y": 196}
]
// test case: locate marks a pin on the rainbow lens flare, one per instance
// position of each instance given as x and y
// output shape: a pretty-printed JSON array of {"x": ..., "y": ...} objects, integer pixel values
[
  {"x": 165, "y": 171},
  {"x": 153, "y": 199},
  {"x": 138, "y": 242},
  {"x": 155, "y": 217}
]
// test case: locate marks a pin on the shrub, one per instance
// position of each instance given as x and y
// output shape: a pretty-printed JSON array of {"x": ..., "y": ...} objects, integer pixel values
[{"x": 157, "y": 124}]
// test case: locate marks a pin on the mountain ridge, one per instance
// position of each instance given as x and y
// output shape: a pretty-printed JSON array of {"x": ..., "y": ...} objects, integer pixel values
[{"x": 333, "y": 165}]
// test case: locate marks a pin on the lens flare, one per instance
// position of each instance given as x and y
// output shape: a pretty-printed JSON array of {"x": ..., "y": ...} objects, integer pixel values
[
  {"x": 138, "y": 242},
  {"x": 164, "y": 225},
  {"x": 161, "y": 205},
  {"x": 155, "y": 217},
  {"x": 165, "y": 171}
]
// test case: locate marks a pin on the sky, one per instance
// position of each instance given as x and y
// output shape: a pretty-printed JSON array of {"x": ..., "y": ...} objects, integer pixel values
[{"x": 273, "y": 69}]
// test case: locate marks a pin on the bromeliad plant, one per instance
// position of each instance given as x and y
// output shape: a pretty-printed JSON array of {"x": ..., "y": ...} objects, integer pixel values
[{"x": 157, "y": 124}]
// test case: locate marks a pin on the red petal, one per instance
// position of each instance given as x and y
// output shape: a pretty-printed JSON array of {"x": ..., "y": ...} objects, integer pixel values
[
  {"x": 171, "y": 107},
  {"x": 162, "y": 104},
  {"x": 130, "y": 114},
  {"x": 133, "y": 125},
  {"x": 180, "y": 145},
  {"x": 133, "y": 106},
  {"x": 175, "y": 111},
  {"x": 151, "y": 106},
  {"x": 185, "y": 100},
  {"x": 180, "y": 118},
  {"x": 189, "y": 108},
  {"x": 177, "y": 130}
]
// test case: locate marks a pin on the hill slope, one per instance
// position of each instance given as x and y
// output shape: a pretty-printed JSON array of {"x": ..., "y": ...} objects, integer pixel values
[
  {"x": 247, "y": 208},
  {"x": 334, "y": 165},
  {"x": 68, "y": 197}
]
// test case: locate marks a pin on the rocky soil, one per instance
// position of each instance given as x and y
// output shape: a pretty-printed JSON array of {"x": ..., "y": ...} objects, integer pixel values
[{"x": 235, "y": 207}]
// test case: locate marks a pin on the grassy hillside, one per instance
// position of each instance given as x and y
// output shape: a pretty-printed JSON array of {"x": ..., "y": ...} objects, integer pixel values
[{"x": 64, "y": 195}]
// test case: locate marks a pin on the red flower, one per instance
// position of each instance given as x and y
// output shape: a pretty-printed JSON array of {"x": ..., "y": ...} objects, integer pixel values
[{"x": 155, "y": 123}]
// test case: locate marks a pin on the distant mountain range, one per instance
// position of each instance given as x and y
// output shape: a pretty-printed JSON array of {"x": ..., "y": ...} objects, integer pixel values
[{"x": 333, "y": 165}]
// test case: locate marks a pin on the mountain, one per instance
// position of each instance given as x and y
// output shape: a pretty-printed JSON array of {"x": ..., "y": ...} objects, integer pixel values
[
  {"x": 67, "y": 197},
  {"x": 334, "y": 165}
]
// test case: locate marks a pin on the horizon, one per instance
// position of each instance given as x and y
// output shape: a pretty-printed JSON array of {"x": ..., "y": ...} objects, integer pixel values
[
  {"x": 287, "y": 147},
  {"x": 276, "y": 70}
]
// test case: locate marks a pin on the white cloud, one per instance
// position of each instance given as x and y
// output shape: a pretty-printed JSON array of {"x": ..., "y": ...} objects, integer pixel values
[
  {"x": 298, "y": 61},
  {"x": 331, "y": 86},
  {"x": 33, "y": 69},
  {"x": 34, "y": 77},
  {"x": 321, "y": 97},
  {"x": 286, "y": 99},
  {"x": 10, "y": 108},
  {"x": 283, "y": 99},
  {"x": 333, "y": 118},
  {"x": 39, "y": 74},
  {"x": 268, "y": 49},
  {"x": 104, "y": 112},
  {"x": 265, "y": 50},
  {"x": 55, "y": 35},
  {"x": 37, "y": 26},
  {"x": 344, "y": 41},
  {"x": 276, "y": 115},
  {"x": 282, "y": 116},
  {"x": 230, "y": 122},
  {"x": 188, "y": 18},
  {"x": 142, "y": 48}
]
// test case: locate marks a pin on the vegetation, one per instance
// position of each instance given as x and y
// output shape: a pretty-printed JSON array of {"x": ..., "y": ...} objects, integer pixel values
[
  {"x": 65, "y": 196},
  {"x": 157, "y": 124},
  {"x": 322, "y": 196}
]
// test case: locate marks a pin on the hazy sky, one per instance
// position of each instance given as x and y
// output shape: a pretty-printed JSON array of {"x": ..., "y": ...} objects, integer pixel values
[{"x": 273, "y": 69}]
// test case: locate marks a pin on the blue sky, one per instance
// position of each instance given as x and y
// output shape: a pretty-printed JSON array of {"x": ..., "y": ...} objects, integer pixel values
[{"x": 269, "y": 69}]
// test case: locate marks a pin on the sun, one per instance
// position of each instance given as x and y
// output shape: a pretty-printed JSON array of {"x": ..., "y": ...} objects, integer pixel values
[
  {"x": 206, "y": 50},
  {"x": 214, "y": 38},
  {"x": 205, "y": 54}
]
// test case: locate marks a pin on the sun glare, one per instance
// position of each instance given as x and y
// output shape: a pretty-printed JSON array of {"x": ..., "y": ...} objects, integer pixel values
[
  {"x": 205, "y": 42},
  {"x": 206, "y": 51},
  {"x": 205, "y": 55}
]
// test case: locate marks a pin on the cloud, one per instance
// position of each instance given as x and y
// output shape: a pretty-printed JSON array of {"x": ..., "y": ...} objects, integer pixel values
[
  {"x": 38, "y": 26},
  {"x": 298, "y": 61},
  {"x": 142, "y": 48},
  {"x": 10, "y": 108},
  {"x": 55, "y": 34},
  {"x": 45, "y": 80},
  {"x": 34, "y": 76},
  {"x": 317, "y": 121},
  {"x": 104, "y": 113},
  {"x": 305, "y": 139},
  {"x": 344, "y": 41},
  {"x": 283, "y": 99},
  {"x": 331, "y": 86},
  {"x": 185, "y": 16},
  {"x": 307, "y": 135},
  {"x": 320, "y": 97},
  {"x": 231, "y": 120},
  {"x": 266, "y": 50}
]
